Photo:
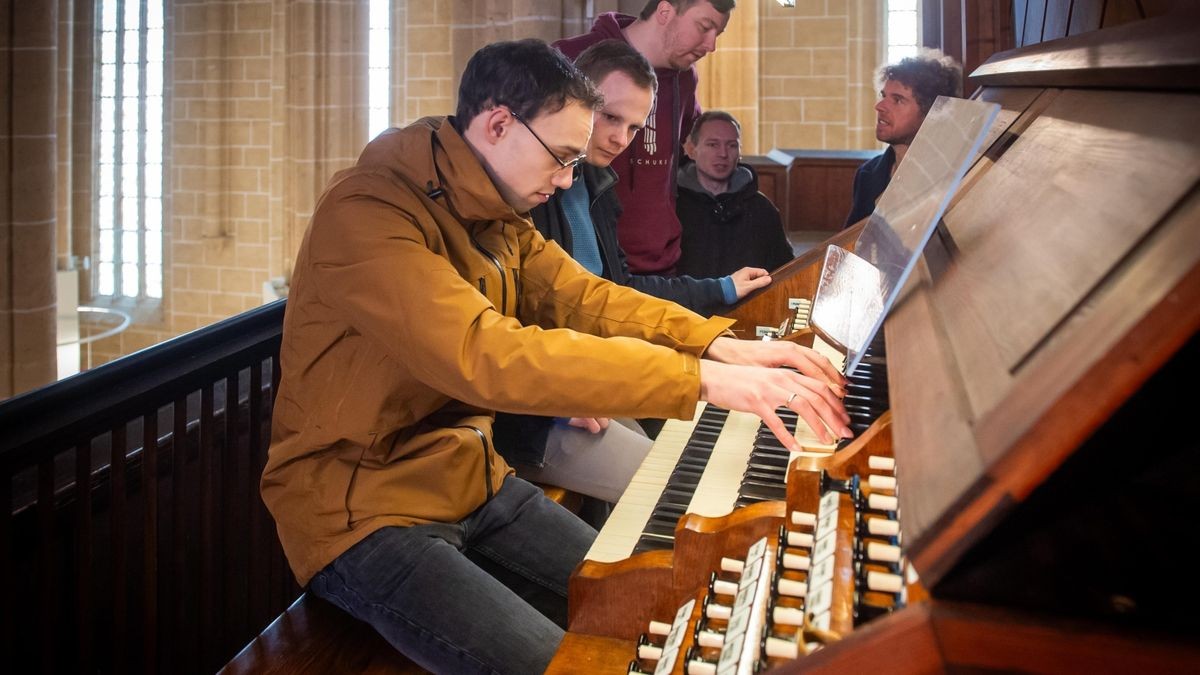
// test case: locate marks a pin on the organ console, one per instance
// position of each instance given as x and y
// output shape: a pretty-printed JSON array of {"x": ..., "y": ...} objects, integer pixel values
[{"x": 1016, "y": 503}]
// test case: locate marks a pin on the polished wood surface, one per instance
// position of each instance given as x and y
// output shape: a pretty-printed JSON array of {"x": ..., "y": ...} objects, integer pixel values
[
  {"x": 796, "y": 279},
  {"x": 774, "y": 173},
  {"x": 821, "y": 187},
  {"x": 620, "y": 599},
  {"x": 952, "y": 637},
  {"x": 313, "y": 636}
]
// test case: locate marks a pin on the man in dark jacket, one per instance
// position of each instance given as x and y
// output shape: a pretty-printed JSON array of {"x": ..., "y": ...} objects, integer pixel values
[
  {"x": 583, "y": 220},
  {"x": 727, "y": 222},
  {"x": 907, "y": 93},
  {"x": 673, "y": 35}
]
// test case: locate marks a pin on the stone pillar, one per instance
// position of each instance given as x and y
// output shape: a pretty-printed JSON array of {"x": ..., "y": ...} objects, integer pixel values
[
  {"x": 28, "y": 62},
  {"x": 324, "y": 99},
  {"x": 729, "y": 77}
]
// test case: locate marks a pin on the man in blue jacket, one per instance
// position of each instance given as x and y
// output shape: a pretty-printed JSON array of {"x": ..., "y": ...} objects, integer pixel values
[{"x": 587, "y": 455}]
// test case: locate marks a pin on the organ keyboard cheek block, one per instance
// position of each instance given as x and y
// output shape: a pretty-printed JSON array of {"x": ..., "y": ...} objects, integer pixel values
[{"x": 1025, "y": 414}]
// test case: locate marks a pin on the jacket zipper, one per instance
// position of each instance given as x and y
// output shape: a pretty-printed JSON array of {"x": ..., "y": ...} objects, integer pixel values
[
  {"x": 487, "y": 459},
  {"x": 499, "y": 268}
]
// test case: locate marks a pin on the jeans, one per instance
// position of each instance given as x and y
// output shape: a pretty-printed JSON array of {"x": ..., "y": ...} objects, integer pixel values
[{"x": 483, "y": 595}]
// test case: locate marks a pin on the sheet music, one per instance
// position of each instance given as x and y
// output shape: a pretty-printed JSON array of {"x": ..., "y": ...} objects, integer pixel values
[{"x": 851, "y": 300}]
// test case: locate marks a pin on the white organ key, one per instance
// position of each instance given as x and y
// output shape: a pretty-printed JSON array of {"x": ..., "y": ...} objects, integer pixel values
[
  {"x": 659, "y": 628},
  {"x": 883, "y": 552},
  {"x": 878, "y": 482},
  {"x": 794, "y": 561},
  {"x": 788, "y": 616},
  {"x": 883, "y": 502},
  {"x": 709, "y": 638},
  {"x": 725, "y": 587},
  {"x": 779, "y": 648},
  {"x": 877, "y": 463},
  {"x": 885, "y": 581},
  {"x": 793, "y": 588},
  {"x": 649, "y": 652},
  {"x": 620, "y": 533},
  {"x": 883, "y": 527},
  {"x": 731, "y": 565},
  {"x": 715, "y": 611},
  {"x": 802, "y": 519},
  {"x": 799, "y": 539},
  {"x": 717, "y": 490}
]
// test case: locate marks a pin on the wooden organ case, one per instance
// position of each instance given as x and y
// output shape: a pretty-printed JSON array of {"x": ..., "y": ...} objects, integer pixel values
[{"x": 1041, "y": 365}]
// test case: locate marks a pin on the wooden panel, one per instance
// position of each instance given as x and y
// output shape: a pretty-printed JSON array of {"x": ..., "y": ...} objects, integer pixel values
[
  {"x": 821, "y": 188},
  {"x": 1035, "y": 17},
  {"x": 591, "y": 654},
  {"x": 1117, "y": 12},
  {"x": 773, "y": 173},
  {"x": 1054, "y": 25},
  {"x": 1075, "y": 198},
  {"x": 1020, "y": 7},
  {"x": 988, "y": 29},
  {"x": 1161, "y": 53},
  {"x": 1085, "y": 16}
]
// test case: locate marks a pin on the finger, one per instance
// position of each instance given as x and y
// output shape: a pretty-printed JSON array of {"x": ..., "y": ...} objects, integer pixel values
[
  {"x": 592, "y": 425},
  {"x": 759, "y": 282},
  {"x": 814, "y": 364},
  {"x": 779, "y": 429},
  {"x": 821, "y": 417},
  {"x": 603, "y": 422},
  {"x": 827, "y": 396}
]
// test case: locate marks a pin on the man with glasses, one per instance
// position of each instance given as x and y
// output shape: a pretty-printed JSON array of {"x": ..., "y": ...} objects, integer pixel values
[
  {"x": 589, "y": 455},
  {"x": 422, "y": 301}
]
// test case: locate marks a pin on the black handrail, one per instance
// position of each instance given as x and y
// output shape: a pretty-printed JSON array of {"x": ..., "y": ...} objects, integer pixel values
[{"x": 65, "y": 412}]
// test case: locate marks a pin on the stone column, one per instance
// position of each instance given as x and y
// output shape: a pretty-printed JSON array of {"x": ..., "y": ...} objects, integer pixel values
[{"x": 28, "y": 148}]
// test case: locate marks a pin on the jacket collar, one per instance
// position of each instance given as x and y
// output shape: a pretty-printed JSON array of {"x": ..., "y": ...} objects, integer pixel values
[
  {"x": 434, "y": 158},
  {"x": 599, "y": 179},
  {"x": 743, "y": 179}
]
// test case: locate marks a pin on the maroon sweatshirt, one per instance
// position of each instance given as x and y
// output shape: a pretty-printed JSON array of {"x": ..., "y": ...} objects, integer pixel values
[{"x": 648, "y": 229}]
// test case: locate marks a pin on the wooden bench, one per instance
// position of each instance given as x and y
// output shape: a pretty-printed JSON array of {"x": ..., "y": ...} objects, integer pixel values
[{"x": 313, "y": 636}]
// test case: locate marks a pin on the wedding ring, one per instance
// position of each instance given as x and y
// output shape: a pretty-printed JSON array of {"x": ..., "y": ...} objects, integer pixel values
[{"x": 790, "y": 399}]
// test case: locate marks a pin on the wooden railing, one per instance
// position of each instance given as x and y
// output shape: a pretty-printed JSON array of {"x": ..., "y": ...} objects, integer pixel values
[{"x": 133, "y": 536}]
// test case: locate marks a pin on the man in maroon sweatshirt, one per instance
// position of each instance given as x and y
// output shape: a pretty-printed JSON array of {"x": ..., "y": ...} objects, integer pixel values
[{"x": 673, "y": 35}]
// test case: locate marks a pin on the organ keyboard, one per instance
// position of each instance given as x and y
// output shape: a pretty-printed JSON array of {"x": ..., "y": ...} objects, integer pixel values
[
  {"x": 718, "y": 460},
  {"x": 1041, "y": 464}
]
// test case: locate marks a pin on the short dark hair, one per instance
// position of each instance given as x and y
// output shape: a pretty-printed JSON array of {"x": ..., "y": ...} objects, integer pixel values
[
  {"x": 529, "y": 76},
  {"x": 681, "y": 6},
  {"x": 708, "y": 116},
  {"x": 929, "y": 74},
  {"x": 612, "y": 56}
]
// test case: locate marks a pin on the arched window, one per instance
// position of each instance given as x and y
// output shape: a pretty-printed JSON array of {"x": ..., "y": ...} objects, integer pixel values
[
  {"x": 129, "y": 208},
  {"x": 903, "y": 29}
]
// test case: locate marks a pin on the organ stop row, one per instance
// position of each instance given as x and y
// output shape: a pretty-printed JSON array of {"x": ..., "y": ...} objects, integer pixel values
[{"x": 1016, "y": 493}]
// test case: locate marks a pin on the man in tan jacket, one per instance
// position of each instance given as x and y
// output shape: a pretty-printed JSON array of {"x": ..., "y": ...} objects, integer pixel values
[{"x": 423, "y": 300}]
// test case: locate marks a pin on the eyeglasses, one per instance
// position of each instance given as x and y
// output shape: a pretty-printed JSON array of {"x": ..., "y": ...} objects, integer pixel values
[{"x": 572, "y": 164}]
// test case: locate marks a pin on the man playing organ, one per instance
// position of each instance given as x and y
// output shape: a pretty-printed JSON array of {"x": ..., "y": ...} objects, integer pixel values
[{"x": 423, "y": 300}]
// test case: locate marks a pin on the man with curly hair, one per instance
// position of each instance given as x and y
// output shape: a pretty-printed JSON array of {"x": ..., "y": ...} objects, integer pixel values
[{"x": 907, "y": 92}]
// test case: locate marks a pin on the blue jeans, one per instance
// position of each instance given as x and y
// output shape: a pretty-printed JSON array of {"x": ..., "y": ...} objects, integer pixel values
[{"x": 483, "y": 595}]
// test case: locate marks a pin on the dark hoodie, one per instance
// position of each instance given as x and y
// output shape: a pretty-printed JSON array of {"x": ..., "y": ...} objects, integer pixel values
[
  {"x": 726, "y": 232},
  {"x": 648, "y": 229}
]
